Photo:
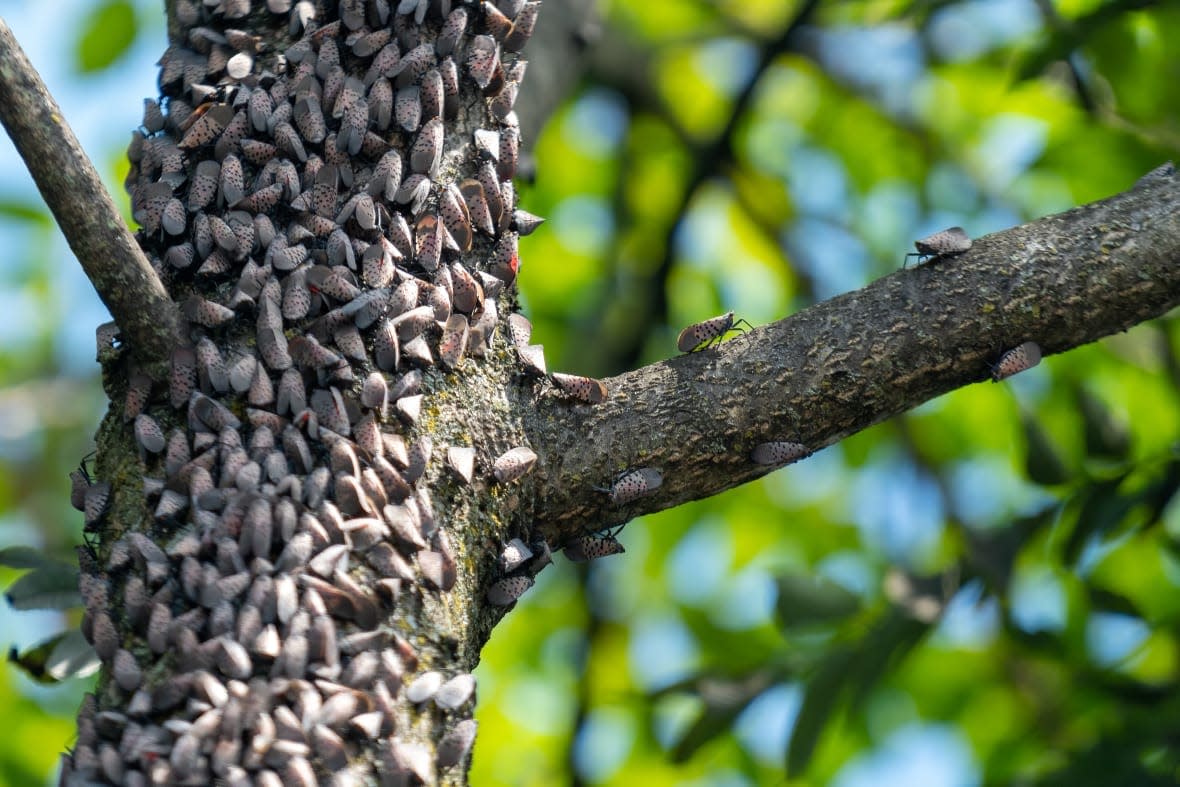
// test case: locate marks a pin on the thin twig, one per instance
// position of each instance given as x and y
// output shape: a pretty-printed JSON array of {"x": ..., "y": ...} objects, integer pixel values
[{"x": 148, "y": 319}]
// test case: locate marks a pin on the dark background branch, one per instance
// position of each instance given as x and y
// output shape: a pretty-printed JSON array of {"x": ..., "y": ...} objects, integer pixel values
[{"x": 147, "y": 317}]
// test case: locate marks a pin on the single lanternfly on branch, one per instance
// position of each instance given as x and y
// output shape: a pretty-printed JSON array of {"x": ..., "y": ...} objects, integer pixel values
[
  {"x": 944, "y": 243},
  {"x": 1016, "y": 360},
  {"x": 709, "y": 332},
  {"x": 632, "y": 485}
]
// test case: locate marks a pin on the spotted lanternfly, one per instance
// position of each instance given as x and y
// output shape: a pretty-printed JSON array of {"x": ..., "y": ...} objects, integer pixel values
[
  {"x": 416, "y": 62},
  {"x": 413, "y": 191},
  {"x": 80, "y": 482},
  {"x": 513, "y": 464},
  {"x": 507, "y": 590},
  {"x": 519, "y": 329},
  {"x": 778, "y": 453},
  {"x": 514, "y": 554},
  {"x": 509, "y": 153},
  {"x": 308, "y": 117},
  {"x": 381, "y": 104},
  {"x": 427, "y": 150},
  {"x": 524, "y": 222},
  {"x": 453, "y": 210},
  {"x": 153, "y": 118},
  {"x": 139, "y": 388},
  {"x": 287, "y": 140},
  {"x": 384, "y": 63},
  {"x": 591, "y": 547},
  {"x": 496, "y": 22},
  {"x": 203, "y": 188},
  {"x": 505, "y": 258},
  {"x": 450, "y": 79},
  {"x": 95, "y": 504},
  {"x": 708, "y": 332},
  {"x": 452, "y": 30},
  {"x": 634, "y": 484},
  {"x": 387, "y": 176},
  {"x": 256, "y": 152},
  {"x": 944, "y": 243},
  {"x": 231, "y": 180},
  {"x": 483, "y": 60},
  {"x": 206, "y": 313},
  {"x": 183, "y": 377},
  {"x": 1016, "y": 360},
  {"x": 476, "y": 204},
  {"x": 148, "y": 434},
  {"x": 522, "y": 27},
  {"x": 585, "y": 388},
  {"x": 431, "y": 95},
  {"x": 455, "y": 692},
  {"x": 461, "y": 460},
  {"x": 386, "y": 350},
  {"x": 532, "y": 358},
  {"x": 504, "y": 101},
  {"x": 454, "y": 341},
  {"x": 428, "y": 240},
  {"x": 456, "y": 744},
  {"x": 204, "y": 125},
  {"x": 468, "y": 292},
  {"x": 487, "y": 177}
]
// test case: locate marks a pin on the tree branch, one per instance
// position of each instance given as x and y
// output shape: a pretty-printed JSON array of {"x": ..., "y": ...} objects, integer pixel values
[
  {"x": 860, "y": 358},
  {"x": 148, "y": 319}
]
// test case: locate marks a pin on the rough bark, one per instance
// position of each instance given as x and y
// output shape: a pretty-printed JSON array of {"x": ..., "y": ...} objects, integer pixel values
[
  {"x": 813, "y": 378},
  {"x": 87, "y": 215},
  {"x": 208, "y": 673},
  {"x": 855, "y": 360}
]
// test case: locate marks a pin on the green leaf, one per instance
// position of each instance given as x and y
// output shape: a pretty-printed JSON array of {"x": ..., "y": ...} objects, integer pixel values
[
  {"x": 819, "y": 701},
  {"x": 1105, "y": 436},
  {"x": 724, "y": 702},
  {"x": 73, "y": 657},
  {"x": 804, "y": 600},
  {"x": 852, "y": 670},
  {"x": 106, "y": 35},
  {"x": 1043, "y": 462},
  {"x": 23, "y": 557},
  {"x": 62, "y": 656},
  {"x": 52, "y": 586}
]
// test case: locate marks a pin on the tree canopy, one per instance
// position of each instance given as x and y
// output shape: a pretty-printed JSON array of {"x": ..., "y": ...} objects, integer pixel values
[{"x": 980, "y": 590}]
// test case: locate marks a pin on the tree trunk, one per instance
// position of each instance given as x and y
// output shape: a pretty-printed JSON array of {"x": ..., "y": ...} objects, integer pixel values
[
  {"x": 310, "y": 498},
  {"x": 294, "y": 556}
]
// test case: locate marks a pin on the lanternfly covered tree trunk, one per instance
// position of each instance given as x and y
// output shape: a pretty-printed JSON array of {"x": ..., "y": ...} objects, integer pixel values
[
  {"x": 289, "y": 576},
  {"x": 305, "y": 507}
]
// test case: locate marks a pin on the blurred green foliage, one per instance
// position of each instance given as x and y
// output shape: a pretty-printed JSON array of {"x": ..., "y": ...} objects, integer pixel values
[
  {"x": 106, "y": 35},
  {"x": 981, "y": 591}
]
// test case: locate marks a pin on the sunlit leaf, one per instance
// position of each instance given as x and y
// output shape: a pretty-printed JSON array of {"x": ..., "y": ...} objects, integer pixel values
[
  {"x": 23, "y": 557},
  {"x": 1043, "y": 461},
  {"x": 806, "y": 599},
  {"x": 1105, "y": 435},
  {"x": 62, "y": 656},
  {"x": 73, "y": 657},
  {"x": 107, "y": 34},
  {"x": 51, "y": 586},
  {"x": 819, "y": 702},
  {"x": 724, "y": 702}
]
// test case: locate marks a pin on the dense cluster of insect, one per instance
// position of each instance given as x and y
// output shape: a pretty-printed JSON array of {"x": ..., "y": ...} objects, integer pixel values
[
  {"x": 520, "y": 563},
  {"x": 313, "y": 196},
  {"x": 944, "y": 243},
  {"x": 1016, "y": 360},
  {"x": 709, "y": 332}
]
